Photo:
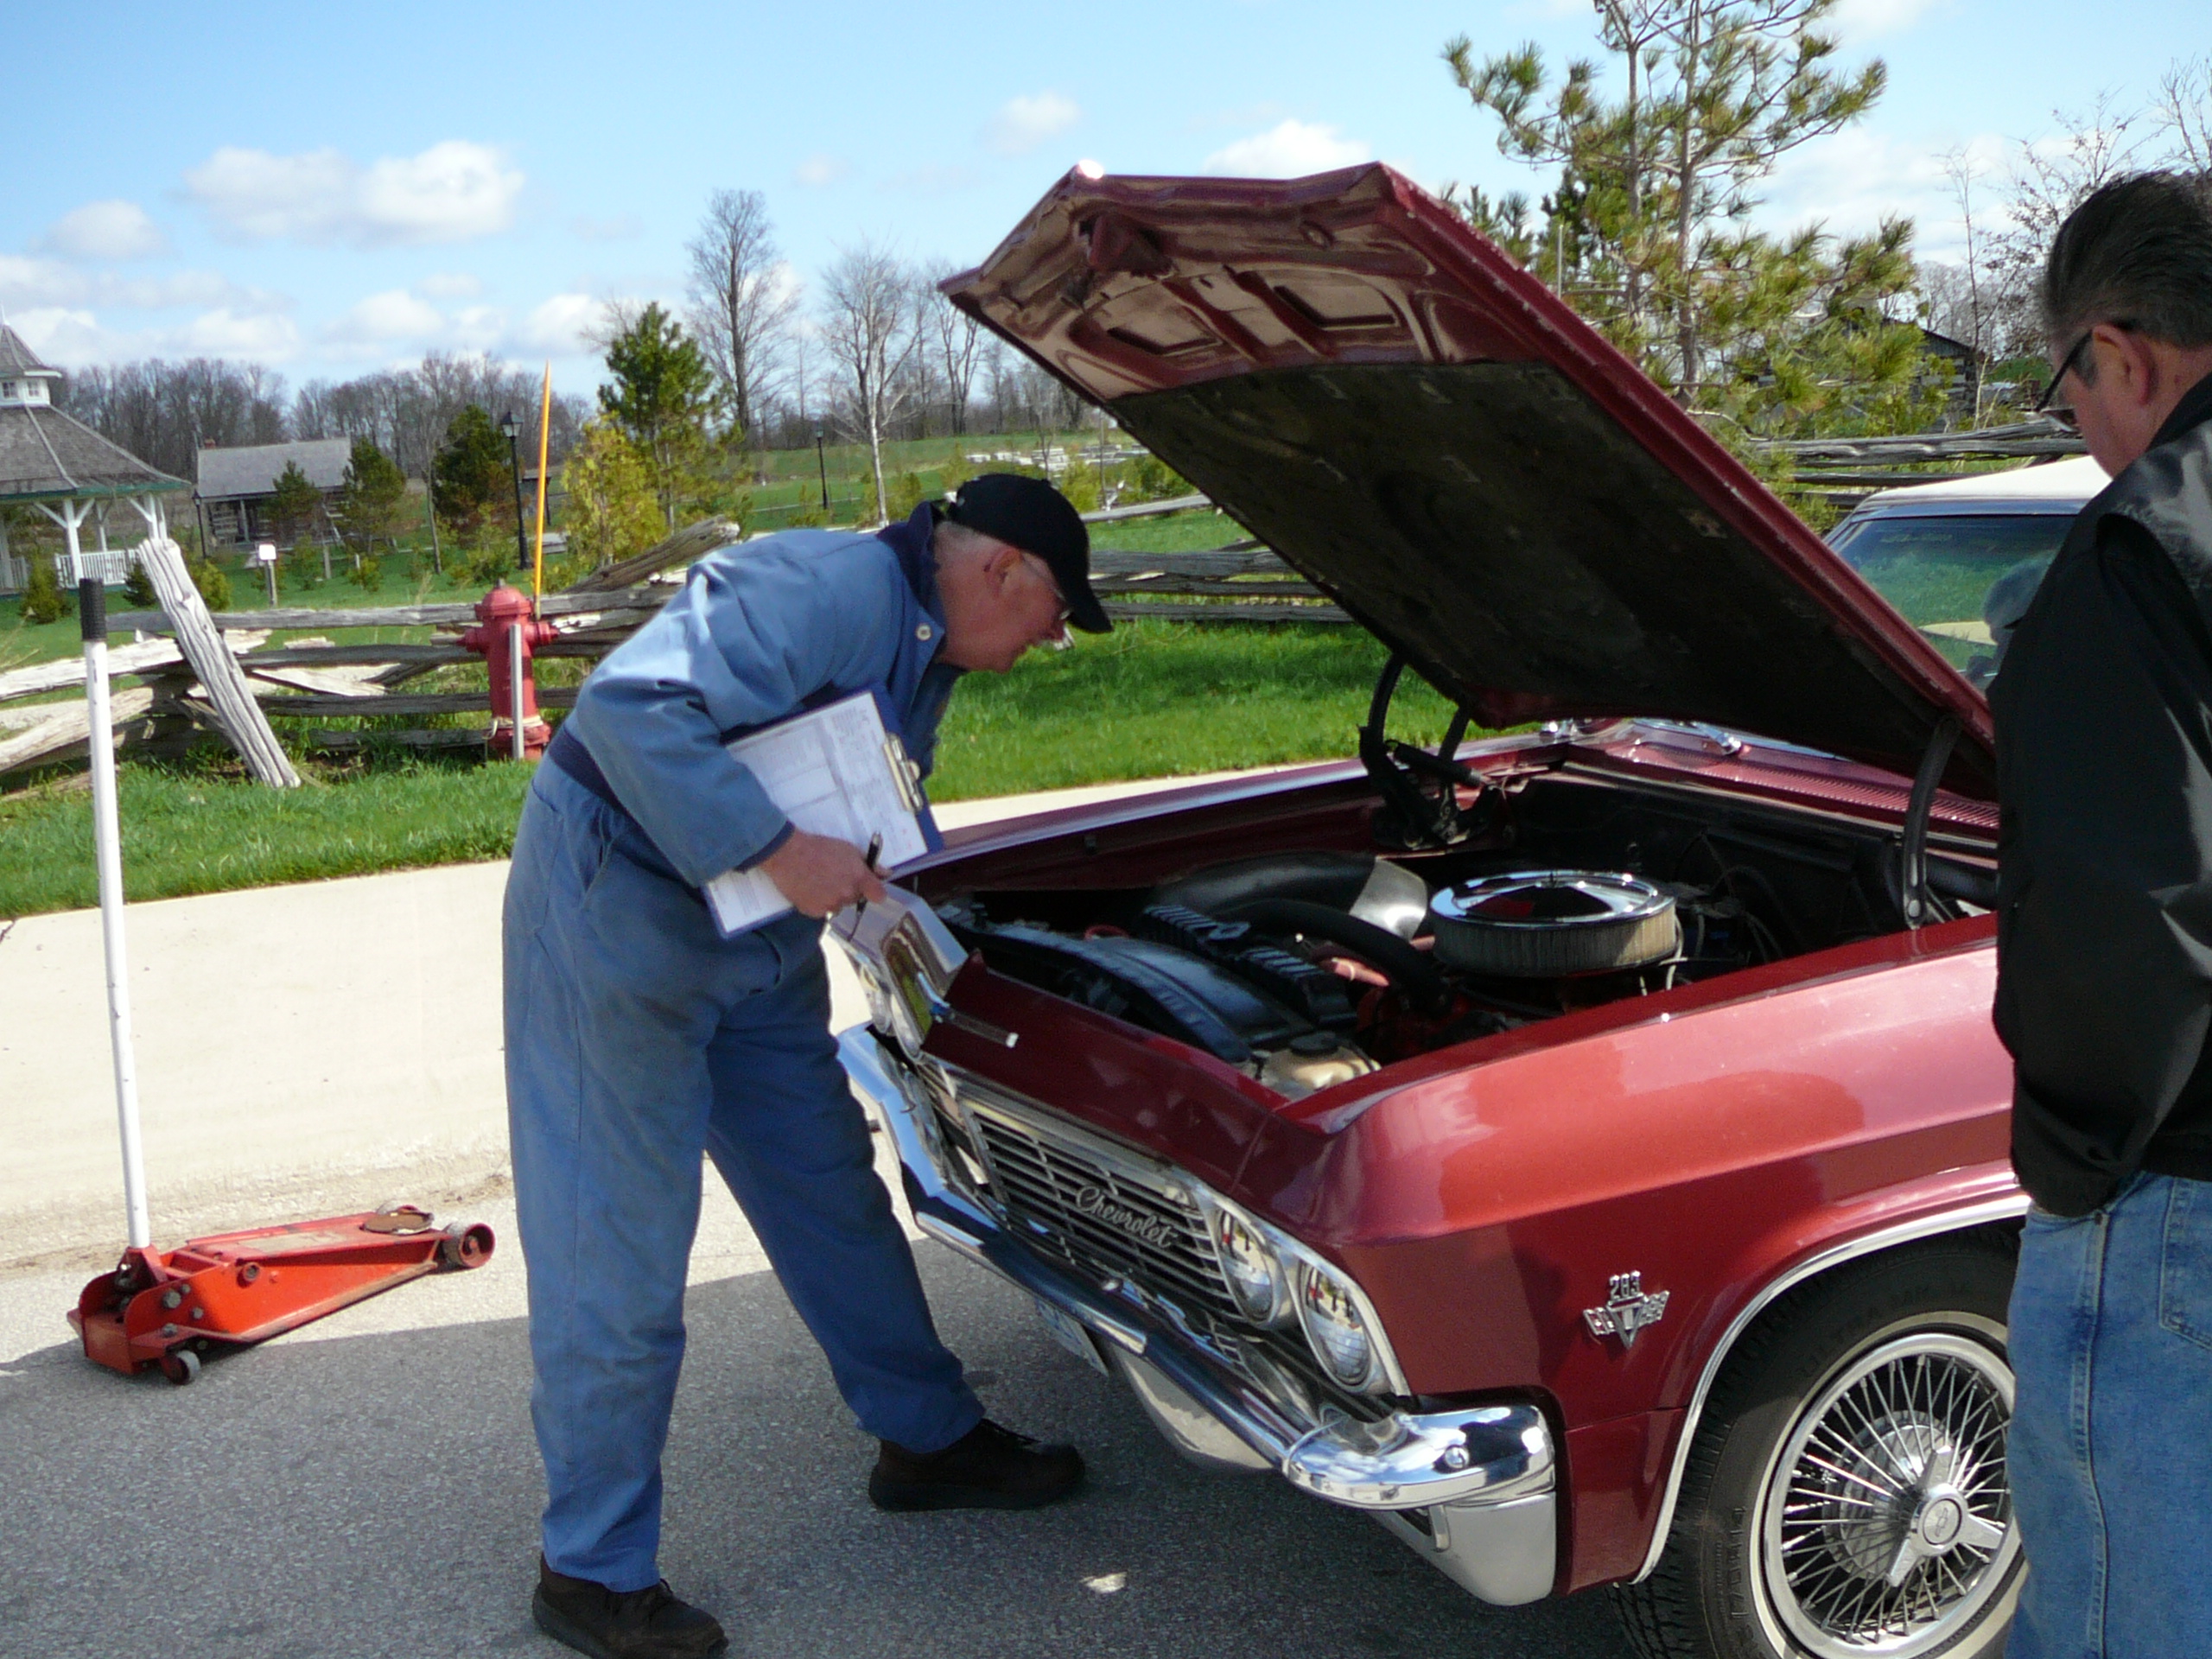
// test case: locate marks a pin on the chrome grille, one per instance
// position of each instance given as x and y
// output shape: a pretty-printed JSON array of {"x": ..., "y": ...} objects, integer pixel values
[{"x": 1101, "y": 1208}]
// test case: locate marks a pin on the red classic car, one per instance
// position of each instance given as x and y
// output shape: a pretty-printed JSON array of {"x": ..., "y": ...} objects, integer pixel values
[{"x": 1585, "y": 1150}]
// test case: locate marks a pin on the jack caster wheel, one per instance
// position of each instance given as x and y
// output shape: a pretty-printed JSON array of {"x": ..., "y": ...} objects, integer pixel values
[
  {"x": 466, "y": 1246},
  {"x": 179, "y": 1366}
]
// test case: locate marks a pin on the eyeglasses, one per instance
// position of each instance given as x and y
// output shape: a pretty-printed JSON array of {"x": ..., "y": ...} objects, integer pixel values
[
  {"x": 1043, "y": 572},
  {"x": 2063, "y": 413}
]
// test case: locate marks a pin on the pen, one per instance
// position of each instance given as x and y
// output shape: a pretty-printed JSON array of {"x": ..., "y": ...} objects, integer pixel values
[{"x": 875, "y": 852}]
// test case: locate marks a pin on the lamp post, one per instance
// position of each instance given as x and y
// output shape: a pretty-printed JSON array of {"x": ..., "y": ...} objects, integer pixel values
[
  {"x": 512, "y": 429},
  {"x": 822, "y": 464}
]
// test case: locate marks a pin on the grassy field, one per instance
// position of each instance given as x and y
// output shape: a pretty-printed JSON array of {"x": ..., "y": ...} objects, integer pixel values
[{"x": 1152, "y": 699}]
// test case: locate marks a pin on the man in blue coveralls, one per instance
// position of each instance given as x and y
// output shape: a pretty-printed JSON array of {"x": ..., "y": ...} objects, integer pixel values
[{"x": 638, "y": 1037}]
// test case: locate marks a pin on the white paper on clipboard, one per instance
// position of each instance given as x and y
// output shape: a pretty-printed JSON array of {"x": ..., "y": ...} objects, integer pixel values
[{"x": 834, "y": 771}]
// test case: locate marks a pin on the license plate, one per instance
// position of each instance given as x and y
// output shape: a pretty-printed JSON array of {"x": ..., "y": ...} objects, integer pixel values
[{"x": 1071, "y": 1335}]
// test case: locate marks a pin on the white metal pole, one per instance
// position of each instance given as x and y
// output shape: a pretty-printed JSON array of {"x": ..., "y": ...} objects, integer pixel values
[
  {"x": 107, "y": 845},
  {"x": 514, "y": 684}
]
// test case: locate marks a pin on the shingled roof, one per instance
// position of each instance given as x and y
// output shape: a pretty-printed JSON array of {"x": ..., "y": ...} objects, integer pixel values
[
  {"x": 228, "y": 474},
  {"x": 45, "y": 454}
]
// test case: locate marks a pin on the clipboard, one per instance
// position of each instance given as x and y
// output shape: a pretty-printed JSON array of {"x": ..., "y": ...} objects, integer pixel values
[{"x": 839, "y": 770}]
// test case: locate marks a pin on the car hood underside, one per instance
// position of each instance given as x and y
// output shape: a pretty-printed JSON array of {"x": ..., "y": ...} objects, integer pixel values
[{"x": 1440, "y": 444}]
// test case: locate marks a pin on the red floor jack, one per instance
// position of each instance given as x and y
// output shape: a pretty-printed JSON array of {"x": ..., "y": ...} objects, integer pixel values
[{"x": 169, "y": 1307}]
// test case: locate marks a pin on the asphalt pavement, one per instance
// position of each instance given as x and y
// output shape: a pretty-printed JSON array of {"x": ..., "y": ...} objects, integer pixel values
[{"x": 367, "y": 1487}]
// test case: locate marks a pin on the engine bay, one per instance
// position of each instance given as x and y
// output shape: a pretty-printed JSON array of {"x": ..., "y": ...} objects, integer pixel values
[{"x": 1306, "y": 967}]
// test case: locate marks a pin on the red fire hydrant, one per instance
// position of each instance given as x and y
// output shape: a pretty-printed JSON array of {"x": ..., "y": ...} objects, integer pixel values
[{"x": 504, "y": 622}]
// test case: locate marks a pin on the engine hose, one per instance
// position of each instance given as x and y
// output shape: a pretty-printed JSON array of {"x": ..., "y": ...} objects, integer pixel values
[{"x": 1409, "y": 970}]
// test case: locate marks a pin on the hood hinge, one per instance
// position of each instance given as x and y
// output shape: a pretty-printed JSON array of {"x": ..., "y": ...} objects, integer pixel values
[{"x": 1918, "y": 900}]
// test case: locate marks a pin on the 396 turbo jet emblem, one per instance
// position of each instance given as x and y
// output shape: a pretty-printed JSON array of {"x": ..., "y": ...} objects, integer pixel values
[{"x": 1627, "y": 1310}]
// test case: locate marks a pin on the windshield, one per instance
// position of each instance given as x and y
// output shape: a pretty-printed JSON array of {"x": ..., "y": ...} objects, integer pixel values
[{"x": 1962, "y": 579}]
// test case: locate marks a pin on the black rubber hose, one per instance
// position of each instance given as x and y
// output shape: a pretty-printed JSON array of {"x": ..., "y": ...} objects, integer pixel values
[{"x": 1409, "y": 969}]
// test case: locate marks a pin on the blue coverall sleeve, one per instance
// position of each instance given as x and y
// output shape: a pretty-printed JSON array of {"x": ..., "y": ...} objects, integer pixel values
[{"x": 756, "y": 631}]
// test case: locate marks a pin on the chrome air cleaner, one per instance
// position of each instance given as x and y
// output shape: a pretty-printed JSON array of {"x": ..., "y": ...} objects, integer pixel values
[{"x": 1549, "y": 924}]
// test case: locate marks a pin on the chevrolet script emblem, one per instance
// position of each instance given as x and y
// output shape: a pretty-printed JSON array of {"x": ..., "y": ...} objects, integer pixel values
[
  {"x": 1628, "y": 1309},
  {"x": 1152, "y": 1230}
]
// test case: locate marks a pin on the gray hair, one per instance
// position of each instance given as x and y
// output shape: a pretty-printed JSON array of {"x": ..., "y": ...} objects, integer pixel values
[
  {"x": 951, "y": 540},
  {"x": 2138, "y": 251}
]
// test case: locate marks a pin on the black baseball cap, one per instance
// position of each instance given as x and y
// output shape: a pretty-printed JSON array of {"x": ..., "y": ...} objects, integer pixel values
[{"x": 1030, "y": 514}]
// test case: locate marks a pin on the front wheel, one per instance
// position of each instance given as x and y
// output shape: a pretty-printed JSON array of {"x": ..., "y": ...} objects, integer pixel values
[{"x": 1846, "y": 1495}]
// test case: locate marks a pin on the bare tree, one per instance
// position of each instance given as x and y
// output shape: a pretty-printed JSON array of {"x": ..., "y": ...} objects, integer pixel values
[
  {"x": 162, "y": 412},
  {"x": 869, "y": 330},
  {"x": 2048, "y": 180},
  {"x": 743, "y": 300},
  {"x": 955, "y": 342},
  {"x": 2183, "y": 111},
  {"x": 1971, "y": 309}
]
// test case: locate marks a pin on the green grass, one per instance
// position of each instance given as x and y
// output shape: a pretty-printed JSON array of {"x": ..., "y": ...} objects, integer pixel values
[
  {"x": 189, "y": 830},
  {"x": 1152, "y": 699}
]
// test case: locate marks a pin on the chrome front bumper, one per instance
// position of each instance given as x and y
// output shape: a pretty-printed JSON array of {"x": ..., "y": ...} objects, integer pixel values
[{"x": 1474, "y": 1491}]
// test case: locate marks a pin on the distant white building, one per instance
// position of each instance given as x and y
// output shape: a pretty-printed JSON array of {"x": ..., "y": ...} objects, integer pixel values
[{"x": 235, "y": 486}]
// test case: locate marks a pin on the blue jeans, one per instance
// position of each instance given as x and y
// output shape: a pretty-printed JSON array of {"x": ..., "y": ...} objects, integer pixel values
[
  {"x": 2111, "y": 1447},
  {"x": 637, "y": 1039}
]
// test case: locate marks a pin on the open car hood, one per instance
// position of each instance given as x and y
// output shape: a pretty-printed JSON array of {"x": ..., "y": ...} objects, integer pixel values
[{"x": 1438, "y": 442}]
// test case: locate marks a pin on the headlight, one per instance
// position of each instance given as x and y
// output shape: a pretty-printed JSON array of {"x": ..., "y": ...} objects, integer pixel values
[
  {"x": 1335, "y": 1328},
  {"x": 1255, "y": 1278}
]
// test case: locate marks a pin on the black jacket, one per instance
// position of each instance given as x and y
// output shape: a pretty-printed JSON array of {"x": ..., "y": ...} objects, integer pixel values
[{"x": 2104, "y": 766}]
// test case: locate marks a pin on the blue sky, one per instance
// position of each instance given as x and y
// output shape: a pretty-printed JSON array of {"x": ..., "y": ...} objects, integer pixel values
[{"x": 331, "y": 189}]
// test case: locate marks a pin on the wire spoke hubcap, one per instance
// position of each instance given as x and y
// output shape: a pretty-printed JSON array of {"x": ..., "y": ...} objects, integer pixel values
[{"x": 1886, "y": 1512}]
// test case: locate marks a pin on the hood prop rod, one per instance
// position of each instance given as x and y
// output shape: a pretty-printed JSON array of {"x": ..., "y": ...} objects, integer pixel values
[{"x": 1921, "y": 905}]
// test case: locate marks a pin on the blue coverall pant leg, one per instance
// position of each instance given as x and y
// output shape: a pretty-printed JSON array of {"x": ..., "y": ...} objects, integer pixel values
[{"x": 638, "y": 1039}]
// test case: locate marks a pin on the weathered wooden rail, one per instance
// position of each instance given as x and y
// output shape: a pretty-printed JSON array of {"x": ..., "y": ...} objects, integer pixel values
[{"x": 320, "y": 678}]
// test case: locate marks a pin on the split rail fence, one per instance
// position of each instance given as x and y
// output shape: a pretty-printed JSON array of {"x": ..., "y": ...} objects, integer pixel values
[{"x": 161, "y": 703}]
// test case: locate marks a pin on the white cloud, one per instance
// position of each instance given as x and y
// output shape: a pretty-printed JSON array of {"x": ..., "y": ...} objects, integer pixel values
[
  {"x": 820, "y": 169},
  {"x": 1024, "y": 123},
  {"x": 1288, "y": 150},
  {"x": 1852, "y": 180},
  {"x": 60, "y": 335},
  {"x": 477, "y": 328},
  {"x": 227, "y": 333},
  {"x": 106, "y": 229},
  {"x": 72, "y": 336},
  {"x": 451, "y": 192},
  {"x": 449, "y": 285},
  {"x": 393, "y": 314},
  {"x": 27, "y": 282},
  {"x": 1858, "y": 20},
  {"x": 559, "y": 325}
]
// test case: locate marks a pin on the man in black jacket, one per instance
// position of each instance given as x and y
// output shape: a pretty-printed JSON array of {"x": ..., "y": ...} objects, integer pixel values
[{"x": 2104, "y": 996}]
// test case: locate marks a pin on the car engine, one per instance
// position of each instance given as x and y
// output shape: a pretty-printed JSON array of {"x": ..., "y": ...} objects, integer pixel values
[{"x": 1307, "y": 970}]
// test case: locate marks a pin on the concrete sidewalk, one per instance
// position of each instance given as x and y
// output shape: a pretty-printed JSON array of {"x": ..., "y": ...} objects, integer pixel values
[{"x": 302, "y": 1050}]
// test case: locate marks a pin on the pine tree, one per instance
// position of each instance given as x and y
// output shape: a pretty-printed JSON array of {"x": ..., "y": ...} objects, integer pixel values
[
  {"x": 370, "y": 499},
  {"x": 43, "y": 599},
  {"x": 613, "y": 511},
  {"x": 663, "y": 398},
  {"x": 472, "y": 479},
  {"x": 1645, "y": 232}
]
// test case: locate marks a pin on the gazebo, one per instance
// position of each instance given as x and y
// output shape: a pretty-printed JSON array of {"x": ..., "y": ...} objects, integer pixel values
[{"x": 68, "y": 471}]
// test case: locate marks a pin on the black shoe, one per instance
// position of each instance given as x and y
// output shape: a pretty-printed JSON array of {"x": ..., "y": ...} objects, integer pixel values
[
  {"x": 987, "y": 1468},
  {"x": 649, "y": 1623}
]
